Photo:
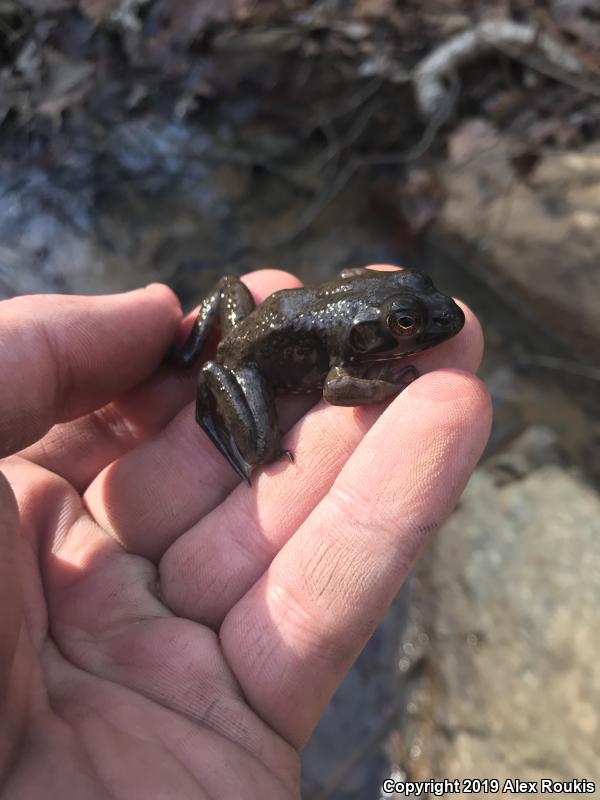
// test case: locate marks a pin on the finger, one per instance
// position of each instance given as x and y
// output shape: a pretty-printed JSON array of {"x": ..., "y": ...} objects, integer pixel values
[
  {"x": 10, "y": 589},
  {"x": 156, "y": 491},
  {"x": 211, "y": 566},
  {"x": 78, "y": 450},
  {"x": 294, "y": 634},
  {"x": 18, "y": 668},
  {"x": 68, "y": 355}
]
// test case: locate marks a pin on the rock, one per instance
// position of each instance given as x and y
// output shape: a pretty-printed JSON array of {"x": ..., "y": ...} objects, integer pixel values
[
  {"x": 537, "y": 446},
  {"x": 537, "y": 239},
  {"x": 504, "y": 628}
]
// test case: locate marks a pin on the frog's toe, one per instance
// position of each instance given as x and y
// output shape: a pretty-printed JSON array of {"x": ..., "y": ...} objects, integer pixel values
[
  {"x": 226, "y": 445},
  {"x": 239, "y": 463},
  {"x": 406, "y": 375}
]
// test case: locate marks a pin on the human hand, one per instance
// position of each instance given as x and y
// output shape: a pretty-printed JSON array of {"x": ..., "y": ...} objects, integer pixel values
[{"x": 164, "y": 630}]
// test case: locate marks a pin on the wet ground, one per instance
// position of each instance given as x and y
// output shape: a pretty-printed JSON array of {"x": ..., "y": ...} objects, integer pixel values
[{"x": 150, "y": 214}]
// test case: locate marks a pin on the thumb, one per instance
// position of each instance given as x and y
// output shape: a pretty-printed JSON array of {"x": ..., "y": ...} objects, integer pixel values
[
  {"x": 10, "y": 588},
  {"x": 11, "y": 707}
]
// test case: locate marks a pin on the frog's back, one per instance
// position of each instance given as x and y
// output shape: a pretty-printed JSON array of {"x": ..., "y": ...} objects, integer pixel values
[
  {"x": 296, "y": 335},
  {"x": 290, "y": 337}
]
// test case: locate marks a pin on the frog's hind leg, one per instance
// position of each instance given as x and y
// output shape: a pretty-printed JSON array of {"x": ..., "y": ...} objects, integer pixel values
[
  {"x": 237, "y": 412},
  {"x": 231, "y": 302}
]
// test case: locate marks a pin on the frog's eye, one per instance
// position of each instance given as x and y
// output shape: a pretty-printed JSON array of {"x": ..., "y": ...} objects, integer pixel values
[
  {"x": 403, "y": 315},
  {"x": 404, "y": 321},
  {"x": 404, "y": 324}
]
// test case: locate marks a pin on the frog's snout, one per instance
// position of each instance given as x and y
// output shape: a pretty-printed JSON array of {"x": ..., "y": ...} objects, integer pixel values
[
  {"x": 450, "y": 320},
  {"x": 445, "y": 320}
]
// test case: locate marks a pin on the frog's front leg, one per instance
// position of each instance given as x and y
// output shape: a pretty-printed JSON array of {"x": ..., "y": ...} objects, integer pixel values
[
  {"x": 343, "y": 388},
  {"x": 237, "y": 411},
  {"x": 231, "y": 301}
]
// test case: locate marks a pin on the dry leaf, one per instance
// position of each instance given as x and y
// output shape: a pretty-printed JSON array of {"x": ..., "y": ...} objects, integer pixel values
[
  {"x": 64, "y": 84},
  {"x": 180, "y": 22},
  {"x": 421, "y": 197},
  {"x": 48, "y": 6},
  {"x": 373, "y": 9},
  {"x": 473, "y": 137},
  {"x": 99, "y": 10}
]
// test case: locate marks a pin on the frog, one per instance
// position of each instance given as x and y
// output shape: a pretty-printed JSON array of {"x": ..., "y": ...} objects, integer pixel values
[{"x": 347, "y": 338}]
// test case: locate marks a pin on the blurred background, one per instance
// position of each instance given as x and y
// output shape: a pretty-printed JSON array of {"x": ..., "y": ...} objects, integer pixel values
[{"x": 145, "y": 140}]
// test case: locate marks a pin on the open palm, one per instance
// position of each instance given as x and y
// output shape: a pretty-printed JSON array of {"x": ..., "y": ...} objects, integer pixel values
[{"x": 164, "y": 630}]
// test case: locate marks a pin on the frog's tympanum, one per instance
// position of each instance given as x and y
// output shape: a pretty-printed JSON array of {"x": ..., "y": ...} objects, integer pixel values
[{"x": 344, "y": 337}]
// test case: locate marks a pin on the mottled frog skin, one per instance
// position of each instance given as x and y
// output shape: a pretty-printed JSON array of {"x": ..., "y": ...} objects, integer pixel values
[{"x": 344, "y": 337}]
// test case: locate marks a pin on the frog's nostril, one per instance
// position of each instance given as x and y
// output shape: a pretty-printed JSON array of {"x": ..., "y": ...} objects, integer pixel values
[{"x": 442, "y": 319}]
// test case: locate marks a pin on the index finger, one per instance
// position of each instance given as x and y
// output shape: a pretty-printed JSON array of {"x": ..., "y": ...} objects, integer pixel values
[{"x": 62, "y": 356}]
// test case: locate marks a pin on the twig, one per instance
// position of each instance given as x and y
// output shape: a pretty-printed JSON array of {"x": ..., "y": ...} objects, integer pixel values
[
  {"x": 419, "y": 149},
  {"x": 342, "y": 178},
  {"x": 335, "y": 145},
  {"x": 429, "y": 75},
  {"x": 355, "y": 101}
]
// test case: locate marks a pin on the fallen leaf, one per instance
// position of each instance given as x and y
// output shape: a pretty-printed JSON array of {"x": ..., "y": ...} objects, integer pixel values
[
  {"x": 525, "y": 164},
  {"x": 99, "y": 10},
  {"x": 365, "y": 9},
  {"x": 29, "y": 61},
  {"x": 258, "y": 12},
  {"x": 473, "y": 137},
  {"x": 421, "y": 197},
  {"x": 65, "y": 82},
  {"x": 48, "y": 6},
  {"x": 180, "y": 22}
]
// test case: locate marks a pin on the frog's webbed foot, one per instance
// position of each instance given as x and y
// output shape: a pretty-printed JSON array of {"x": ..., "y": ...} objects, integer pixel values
[
  {"x": 237, "y": 412},
  {"x": 230, "y": 301},
  {"x": 343, "y": 388}
]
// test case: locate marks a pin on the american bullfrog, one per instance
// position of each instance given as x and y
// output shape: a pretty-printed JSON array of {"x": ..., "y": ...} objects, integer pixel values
[{"x": 344, "y": 337}]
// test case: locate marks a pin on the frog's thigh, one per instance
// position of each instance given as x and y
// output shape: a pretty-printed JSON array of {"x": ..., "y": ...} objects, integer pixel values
[
  {"x": 231, "y": 301},
  {"x": 261, "y": 403},
  {"x": 238, "y": 418},
  {"x": 236, "y": 303},
  {"x": 344, "y": 389},
  {"x": 220, "y": 403}
]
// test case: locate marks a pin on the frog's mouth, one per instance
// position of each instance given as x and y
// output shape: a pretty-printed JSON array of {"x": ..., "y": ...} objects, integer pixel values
[{"x": 385, "y": 358}]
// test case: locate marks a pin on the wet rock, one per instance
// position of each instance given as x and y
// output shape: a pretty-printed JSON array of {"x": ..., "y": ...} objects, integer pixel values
[
  {"x": 504, "y": 625},
  {"x": 549, "y": 405},
  {"x": 44, "y": 241},
  {"x": 537, "y": 446},
  {"x": 160, "y": 204},
  {"x": 174, "y": 203},
  {"x": 536, "y": 238}
]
